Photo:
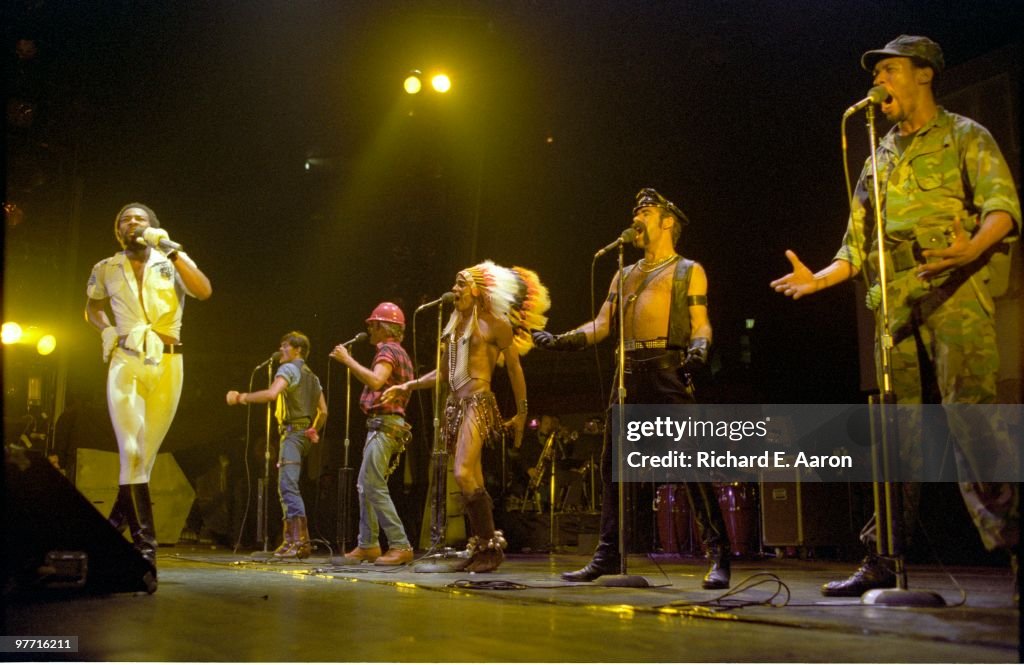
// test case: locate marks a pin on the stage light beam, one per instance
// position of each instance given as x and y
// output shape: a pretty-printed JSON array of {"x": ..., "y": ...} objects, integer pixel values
[
  {"x": 441, "y": 83},
  {"x": 413, "y": 83},
  {"x": 46, "y": 345},
  {"x": 10, "y": 333}
]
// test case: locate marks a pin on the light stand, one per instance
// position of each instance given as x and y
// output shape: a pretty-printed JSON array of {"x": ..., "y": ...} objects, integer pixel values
[
  {"x": 263, "y": 484},
  {"x": 553, "y": 543},
  {"x": 622, "y": 579},
  {"x": 885, "y": 455}
]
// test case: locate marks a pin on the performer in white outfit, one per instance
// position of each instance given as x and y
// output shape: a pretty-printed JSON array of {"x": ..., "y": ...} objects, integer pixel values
[{"x": 144, "y": 287}]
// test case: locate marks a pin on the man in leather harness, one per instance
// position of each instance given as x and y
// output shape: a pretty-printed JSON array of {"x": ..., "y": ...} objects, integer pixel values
[
  {"x": 667, "y": 337},
  {"x": 949, "y": 205},
  {"x": 301, "y": 414},
  {"x": 145, "y": 289},
  {"x": 386, "y": 435}
]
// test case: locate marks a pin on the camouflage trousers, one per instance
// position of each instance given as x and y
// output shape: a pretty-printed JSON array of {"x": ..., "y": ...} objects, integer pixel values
[{"x": 945, "y": 342}]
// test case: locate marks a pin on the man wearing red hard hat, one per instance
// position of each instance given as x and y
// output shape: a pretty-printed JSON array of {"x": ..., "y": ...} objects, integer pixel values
[{"x": 386, "y": 435}]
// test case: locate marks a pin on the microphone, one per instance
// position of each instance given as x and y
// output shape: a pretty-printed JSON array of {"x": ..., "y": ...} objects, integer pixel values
[
  {"x": 876, "y": 95},
  {"x": 361, "y": 337},
  {"x": 445, "y": 298},
  {"x": 627, "y": 236},
  {"x": 272, "y": 359},
  {"x": 141, "y": 236}
]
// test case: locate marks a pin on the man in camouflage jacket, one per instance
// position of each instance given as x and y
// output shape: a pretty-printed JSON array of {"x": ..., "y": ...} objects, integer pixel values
[{"x": 949, "y": 204}]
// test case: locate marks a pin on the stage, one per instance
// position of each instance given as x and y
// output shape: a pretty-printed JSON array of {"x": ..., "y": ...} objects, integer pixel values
[{"x": 213, "y": 605}]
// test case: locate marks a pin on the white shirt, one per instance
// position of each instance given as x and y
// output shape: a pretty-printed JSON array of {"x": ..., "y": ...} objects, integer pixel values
[{"x": 158, "y": 310}]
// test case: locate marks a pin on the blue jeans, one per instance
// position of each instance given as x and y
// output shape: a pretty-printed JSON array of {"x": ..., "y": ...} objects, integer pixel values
[
  {"x": 294, "y": 446},
  {"x": 376, "y": 510}
]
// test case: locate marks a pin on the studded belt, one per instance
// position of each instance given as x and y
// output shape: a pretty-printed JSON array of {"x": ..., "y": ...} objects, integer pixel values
[{"x": 638, "y": 344}]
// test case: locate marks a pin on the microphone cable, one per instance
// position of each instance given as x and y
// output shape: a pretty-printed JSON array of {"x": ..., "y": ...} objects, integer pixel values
[{"x": 248, "y": 468}]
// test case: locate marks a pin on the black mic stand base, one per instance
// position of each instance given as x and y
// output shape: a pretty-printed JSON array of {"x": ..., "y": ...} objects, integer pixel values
[
  {"x": 630, "y": 581},
  {"x": 902, "y": 598}
]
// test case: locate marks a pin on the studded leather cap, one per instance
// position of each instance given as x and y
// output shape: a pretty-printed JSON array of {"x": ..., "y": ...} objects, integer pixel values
[{"x": 650, "y": 197}]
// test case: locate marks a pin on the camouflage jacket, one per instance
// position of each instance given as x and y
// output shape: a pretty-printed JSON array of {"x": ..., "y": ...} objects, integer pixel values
[{"x": 952, "y": 168}]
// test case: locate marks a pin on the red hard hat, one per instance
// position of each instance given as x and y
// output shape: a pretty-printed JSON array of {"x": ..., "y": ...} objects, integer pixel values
[{"x": 388, "y": 312}]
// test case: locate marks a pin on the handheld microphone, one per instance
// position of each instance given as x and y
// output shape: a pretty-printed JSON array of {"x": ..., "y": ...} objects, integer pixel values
[
  {"x": 445, "y": 298},
  {"x": 876, "y": 95},
  {"x": 361, "y": 337},
  {"x": 626, "y": 237},
  {"x": 272, "y": 359},
  {"x": 142, "y": 237}
]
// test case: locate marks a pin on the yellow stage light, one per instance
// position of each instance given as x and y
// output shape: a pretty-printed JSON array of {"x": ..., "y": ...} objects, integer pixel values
[
  {"x": 46, "y": 345},
  {"x": 441, "y": 83},
  {"x": 413, "y": 84},
  {"x": 10, "y": 333}
]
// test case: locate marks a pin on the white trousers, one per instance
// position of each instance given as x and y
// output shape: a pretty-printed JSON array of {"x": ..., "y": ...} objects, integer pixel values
[{"x": 142, "y": 399}]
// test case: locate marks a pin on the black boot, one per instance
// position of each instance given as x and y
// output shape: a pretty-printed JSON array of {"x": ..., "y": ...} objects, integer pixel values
[
  {"x": 605, "y": 561},
  {"x": 874, "y": 573},
  {"x": 119, "y": 514},
  {"x": 143, "y": 531},
  {"x": 717, "y": 576}
]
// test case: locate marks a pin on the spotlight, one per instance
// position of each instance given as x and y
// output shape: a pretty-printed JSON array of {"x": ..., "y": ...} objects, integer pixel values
[
  {"x": 46, "y": 345},
  {"x": 441, "y": 83},
  {"x": 413, "y": 82},
  {"x": 10, "y": 333}
]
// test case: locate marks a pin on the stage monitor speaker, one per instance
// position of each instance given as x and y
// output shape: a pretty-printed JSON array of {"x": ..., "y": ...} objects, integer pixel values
[
  {"x": 96, "y": 473},
  {"x": 799, "y": 514},
  {"x": 56, "y": 540}
]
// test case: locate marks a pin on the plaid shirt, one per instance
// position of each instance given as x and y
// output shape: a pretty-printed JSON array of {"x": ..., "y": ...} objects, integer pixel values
[{"x": 392, "y": 353}]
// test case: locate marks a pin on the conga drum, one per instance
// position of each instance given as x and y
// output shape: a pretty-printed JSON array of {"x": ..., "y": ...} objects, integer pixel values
[
  {"x": 687, "y": 533},
  {"x": 665, "y": 514},
  {"x": 738, "y": 506}
]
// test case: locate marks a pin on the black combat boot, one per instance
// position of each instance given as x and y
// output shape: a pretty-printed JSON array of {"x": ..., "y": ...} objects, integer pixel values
[
  {"x": 874, "y": 573},
  {"x": 718, "y": 574}
]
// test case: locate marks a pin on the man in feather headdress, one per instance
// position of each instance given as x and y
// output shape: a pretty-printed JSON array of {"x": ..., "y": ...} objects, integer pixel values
[{"x": 495, "y": 309}]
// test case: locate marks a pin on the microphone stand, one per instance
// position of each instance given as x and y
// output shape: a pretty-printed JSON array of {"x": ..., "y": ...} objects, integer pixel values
[
  {"x": 885, "y": 448},
  {"x": 345, "y": 475},
  {"x": 439, "y": 453},
  {"x": 622, "y": 579},
  {"x": 263, "y": 485}
]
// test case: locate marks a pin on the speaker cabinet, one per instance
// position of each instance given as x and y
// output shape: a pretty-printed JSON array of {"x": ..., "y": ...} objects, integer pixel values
[
  {"x": 96, "y": 473},
  {"x": 56, "y": 540},
  {"x": 799, "y": 514}
]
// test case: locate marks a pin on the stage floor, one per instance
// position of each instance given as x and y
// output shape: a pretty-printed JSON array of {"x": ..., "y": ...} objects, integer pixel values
[{"x": 213, "y": 605}]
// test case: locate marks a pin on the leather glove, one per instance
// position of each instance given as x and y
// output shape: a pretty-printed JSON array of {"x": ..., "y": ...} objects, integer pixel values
[
  {"x": 570, "y": 341},
  {"x": 697, "y": 354},
  {"x": 109, "y": 337}
]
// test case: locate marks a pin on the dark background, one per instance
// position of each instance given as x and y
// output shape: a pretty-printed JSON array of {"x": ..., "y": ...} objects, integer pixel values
[{"x": 560, "y": 112}]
